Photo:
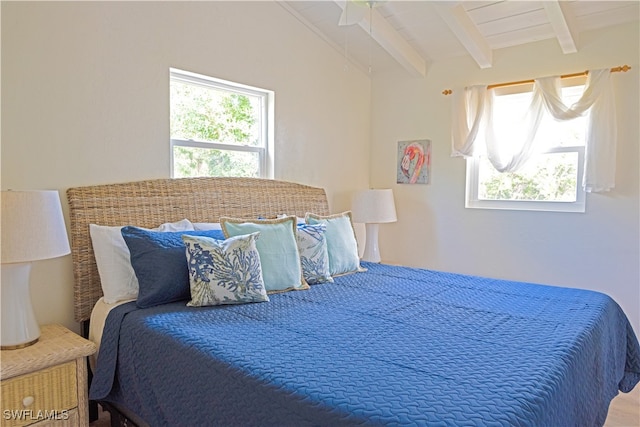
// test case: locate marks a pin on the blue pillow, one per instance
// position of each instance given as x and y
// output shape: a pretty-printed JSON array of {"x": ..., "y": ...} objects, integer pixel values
[{"x": 160, "y": 262}]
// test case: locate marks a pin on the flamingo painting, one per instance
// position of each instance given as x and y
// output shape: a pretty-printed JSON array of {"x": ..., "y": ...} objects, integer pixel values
[{"x": 414, "y": 162}]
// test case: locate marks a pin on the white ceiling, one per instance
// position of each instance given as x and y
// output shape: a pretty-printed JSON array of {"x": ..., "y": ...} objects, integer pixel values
[{"x": 411, "y": 35}]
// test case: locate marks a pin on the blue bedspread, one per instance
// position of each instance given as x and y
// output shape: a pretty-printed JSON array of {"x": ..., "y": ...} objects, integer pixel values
[{"x": 392, "y": 346}]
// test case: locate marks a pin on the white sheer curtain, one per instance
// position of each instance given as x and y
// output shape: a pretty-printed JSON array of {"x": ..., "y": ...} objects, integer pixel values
[
  {"x": 473, "y": 125},
  {"x": 467, "y": 119}
]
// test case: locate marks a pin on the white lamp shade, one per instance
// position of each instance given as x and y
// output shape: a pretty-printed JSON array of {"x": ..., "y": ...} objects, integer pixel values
[
  {"x": 373, "y": 206},
  {"x": 32, "y": 229},
  {"x": 33, "y": 226}
]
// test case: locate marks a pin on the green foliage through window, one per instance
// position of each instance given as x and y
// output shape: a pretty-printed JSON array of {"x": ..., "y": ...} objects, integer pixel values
[
  {"x": 215, "y": 130},
  {"x": 547, "y": 177},
  {"x": 189, "y": 162}
]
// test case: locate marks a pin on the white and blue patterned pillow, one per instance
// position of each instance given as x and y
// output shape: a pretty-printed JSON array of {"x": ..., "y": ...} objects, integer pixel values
[
  {"x": 314, "y": 257},
  {"x": 341, "y": 242},
  {"x": 224, "y": 271}
]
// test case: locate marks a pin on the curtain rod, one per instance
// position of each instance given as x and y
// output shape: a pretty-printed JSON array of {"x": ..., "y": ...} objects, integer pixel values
[{"x": 623, "y": 68}]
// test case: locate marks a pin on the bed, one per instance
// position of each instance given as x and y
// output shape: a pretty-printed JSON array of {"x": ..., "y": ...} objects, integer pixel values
[{"x": 387, "y": 346}]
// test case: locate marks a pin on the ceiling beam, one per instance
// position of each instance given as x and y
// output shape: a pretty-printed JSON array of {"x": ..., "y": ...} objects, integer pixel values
[
  {"x": 391, "y": 41},
  {"x": 319, "y": 33},
  {"x": 560, "y": 19},
  {"x": 456, "y": 17}
]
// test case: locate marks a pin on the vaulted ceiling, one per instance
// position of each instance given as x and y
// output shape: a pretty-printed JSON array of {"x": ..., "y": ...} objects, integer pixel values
[{"x": 382, "y": 35}]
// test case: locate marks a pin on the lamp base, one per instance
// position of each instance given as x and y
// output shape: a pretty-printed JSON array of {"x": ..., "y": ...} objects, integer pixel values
[
  {"x": 19, "y": 346},
  {"x": 19, "y": 325},
  {"x": 371, "y": 251}
]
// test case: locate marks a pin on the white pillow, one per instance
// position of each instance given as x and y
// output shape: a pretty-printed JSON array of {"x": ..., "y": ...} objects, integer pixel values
[
  {"x": 206, "y": 226},
  {"x": 117, "y": 277}
]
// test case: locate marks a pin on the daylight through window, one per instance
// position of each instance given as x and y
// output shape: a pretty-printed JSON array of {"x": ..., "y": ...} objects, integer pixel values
[
  {"x": 550, "y": 179},
  {"x": 219, "y": 128}
]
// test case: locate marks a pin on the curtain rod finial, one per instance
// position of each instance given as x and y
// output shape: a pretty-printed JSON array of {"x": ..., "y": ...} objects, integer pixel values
[{"x": 447, "y": 92}]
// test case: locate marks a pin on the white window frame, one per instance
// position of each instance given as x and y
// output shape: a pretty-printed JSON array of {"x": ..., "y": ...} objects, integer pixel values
[
  {"x": 473, "y": 172},
  {"x": 472, "y": 184},
  {"x": 267, "y": 98}
]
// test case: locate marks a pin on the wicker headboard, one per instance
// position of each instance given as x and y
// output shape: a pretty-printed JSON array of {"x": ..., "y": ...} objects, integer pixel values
[{"x": 150, "y": 203}]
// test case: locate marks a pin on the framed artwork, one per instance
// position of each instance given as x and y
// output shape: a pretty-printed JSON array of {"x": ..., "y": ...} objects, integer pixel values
[{"x": 414, "y": 162}]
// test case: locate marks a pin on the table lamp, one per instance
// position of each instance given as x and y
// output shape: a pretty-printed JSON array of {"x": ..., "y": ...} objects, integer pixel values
[
  {"x": 373, "y": 207},
  {"x": 33, "y": 229}
]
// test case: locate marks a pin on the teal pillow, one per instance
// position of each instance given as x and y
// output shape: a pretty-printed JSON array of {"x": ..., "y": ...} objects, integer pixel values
[
  {"x": 224, "y": 271},
  {"x": 277, "y": 247},
  {"x": 341, "y": 242}
]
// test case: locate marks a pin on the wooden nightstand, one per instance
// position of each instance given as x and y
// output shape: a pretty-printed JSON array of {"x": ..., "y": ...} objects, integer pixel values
[{"x": 45, "y": 384}]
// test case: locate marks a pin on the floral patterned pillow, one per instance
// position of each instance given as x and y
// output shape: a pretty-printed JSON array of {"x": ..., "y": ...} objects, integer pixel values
[
  {"x": 341, "y": 242},
  {"x": 312, "y": 245},
  {"x": 224, "y": 271}
]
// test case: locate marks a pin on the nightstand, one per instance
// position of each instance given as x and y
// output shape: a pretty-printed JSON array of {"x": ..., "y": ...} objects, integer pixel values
[{"x": 45, "y": 384}]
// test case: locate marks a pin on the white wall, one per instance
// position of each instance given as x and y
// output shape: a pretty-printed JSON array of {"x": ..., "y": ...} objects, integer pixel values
[
  {"x": 85, "y": 92},
  {"x": 85, "y": 101},
  {"x": 596, "y": 250}
]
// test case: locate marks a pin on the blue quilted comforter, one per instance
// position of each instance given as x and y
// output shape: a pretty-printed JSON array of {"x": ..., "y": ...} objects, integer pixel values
[{"x": 392, "y": 346}]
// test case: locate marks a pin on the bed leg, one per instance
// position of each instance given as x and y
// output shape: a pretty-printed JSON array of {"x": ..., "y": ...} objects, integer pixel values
[{"x": 93, "y": 406}]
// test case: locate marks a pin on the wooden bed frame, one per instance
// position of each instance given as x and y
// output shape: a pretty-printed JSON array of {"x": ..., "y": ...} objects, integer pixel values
[{"x": 152, "y": 202}]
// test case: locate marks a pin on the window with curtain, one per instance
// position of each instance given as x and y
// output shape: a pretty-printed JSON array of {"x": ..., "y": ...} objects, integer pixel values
[
  {"x": 553, "y": 171},
  {"x": 539, "y": 147}
]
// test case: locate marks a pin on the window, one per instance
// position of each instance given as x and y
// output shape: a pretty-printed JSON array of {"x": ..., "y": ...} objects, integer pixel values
[
  {"x": 219, "y": 128},
  {"x": 550, "y": 179}
]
